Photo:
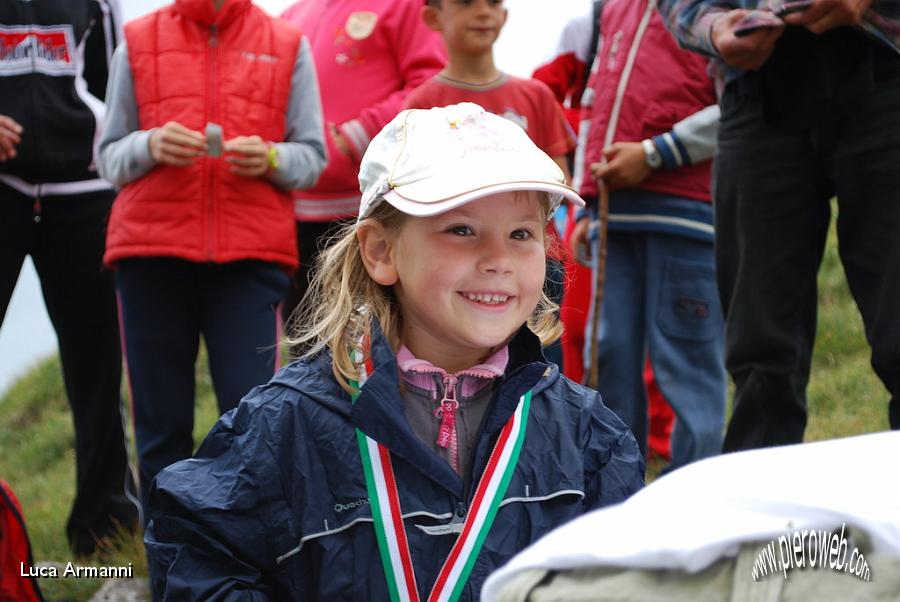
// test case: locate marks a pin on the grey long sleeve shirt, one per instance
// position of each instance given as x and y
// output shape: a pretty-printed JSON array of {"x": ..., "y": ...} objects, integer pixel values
[{"x": 125, "y": 149}]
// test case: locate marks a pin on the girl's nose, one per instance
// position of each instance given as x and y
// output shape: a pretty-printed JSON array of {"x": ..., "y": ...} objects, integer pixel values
[{"x": 495, "y": 257}]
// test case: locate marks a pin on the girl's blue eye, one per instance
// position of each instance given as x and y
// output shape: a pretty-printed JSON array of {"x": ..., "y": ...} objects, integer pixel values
[{"x": 521, "y": 234}]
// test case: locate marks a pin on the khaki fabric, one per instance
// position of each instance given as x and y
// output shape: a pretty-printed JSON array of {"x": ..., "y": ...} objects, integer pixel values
[{"x": 728, "y": 580}]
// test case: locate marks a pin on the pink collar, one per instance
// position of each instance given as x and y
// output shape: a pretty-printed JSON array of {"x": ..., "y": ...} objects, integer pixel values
[{"x": 419, "y": 373}]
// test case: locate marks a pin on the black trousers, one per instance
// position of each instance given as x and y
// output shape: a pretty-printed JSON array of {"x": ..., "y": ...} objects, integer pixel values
[
  {"x": 772, "y": 189},
  {"x": 65, "y": 236},
  {"x": 166, "y": 305}
]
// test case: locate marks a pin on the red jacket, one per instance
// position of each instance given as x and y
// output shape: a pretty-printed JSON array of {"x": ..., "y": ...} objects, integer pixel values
[
  {"x": 193, "y": 65},
  {"x": 664, "y": 85}
]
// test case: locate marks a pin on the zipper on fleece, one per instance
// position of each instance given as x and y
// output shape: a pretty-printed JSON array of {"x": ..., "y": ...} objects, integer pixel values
[
  {"x": 447, "y": 436},
  {"x": 210, "y": 162}
]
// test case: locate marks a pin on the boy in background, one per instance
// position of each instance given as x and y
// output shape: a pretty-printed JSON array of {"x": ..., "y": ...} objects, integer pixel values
[
  {"x": 653, "y": 122},
  {"x": 470, "y": 31}
]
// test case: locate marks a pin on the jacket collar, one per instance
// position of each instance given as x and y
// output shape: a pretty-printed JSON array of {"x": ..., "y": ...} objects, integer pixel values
[
  {"x": 379, "y": 410},
  {"x": 203, "y": 12}
]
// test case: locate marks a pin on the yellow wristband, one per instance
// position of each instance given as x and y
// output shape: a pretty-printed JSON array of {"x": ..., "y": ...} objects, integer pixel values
[{"x": 272, "y": 156}]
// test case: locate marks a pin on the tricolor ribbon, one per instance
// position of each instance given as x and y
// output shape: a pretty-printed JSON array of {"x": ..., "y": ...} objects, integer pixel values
[{"x": 385, "y": 504}]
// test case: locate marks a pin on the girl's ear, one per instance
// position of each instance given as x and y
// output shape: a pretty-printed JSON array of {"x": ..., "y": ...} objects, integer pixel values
[{"x": 377, "y": 253}]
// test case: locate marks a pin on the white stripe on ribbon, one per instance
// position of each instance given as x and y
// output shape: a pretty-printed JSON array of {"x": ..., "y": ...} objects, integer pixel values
[{"x": 388, "y": 520}]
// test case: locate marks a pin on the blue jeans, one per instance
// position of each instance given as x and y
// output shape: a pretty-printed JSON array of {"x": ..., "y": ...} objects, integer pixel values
[{"x": 660, "y": 298}]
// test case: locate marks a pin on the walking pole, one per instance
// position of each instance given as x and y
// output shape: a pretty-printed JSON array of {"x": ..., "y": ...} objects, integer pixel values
[
  {"x": 603, "y": 212},
  {"x": 599, "y": 281}
]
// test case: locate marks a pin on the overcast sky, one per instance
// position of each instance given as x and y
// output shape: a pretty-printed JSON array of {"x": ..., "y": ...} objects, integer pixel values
[{"x": 528, "y": 38}]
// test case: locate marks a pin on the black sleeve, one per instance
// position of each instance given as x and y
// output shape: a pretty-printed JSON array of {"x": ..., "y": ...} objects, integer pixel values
[{"x": 102, "y": 39}]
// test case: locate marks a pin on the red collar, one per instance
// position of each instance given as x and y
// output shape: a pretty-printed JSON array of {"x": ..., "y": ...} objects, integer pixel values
[{"x": 204, "y": 13}]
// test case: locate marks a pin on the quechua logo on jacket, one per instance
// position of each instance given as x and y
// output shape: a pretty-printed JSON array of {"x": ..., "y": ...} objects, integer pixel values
[{"x": 37, "y": 49}]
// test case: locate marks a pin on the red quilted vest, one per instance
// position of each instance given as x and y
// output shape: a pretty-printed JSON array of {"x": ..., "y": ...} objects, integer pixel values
[{"x": 194, "y": 65}]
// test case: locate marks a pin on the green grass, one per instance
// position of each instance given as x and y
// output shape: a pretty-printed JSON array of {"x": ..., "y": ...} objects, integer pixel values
[{"x": 36, "y": 457}]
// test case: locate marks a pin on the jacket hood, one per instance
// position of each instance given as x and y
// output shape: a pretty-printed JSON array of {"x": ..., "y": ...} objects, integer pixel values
[{"x": 203, "y": 11}]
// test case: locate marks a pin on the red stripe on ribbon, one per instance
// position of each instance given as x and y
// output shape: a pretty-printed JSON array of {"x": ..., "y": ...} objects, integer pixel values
[{"x": 394, "y": 501}]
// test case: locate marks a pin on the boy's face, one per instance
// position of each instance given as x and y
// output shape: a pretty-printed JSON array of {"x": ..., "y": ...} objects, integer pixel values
[
  {"x": 468, "y": 279},
  {"x": 468, "y": 26}
]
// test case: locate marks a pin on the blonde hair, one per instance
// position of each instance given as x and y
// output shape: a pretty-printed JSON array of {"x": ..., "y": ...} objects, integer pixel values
[{"x": 343, "y": 301}]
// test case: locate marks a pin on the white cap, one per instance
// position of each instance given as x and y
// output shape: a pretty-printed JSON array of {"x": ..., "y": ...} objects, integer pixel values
[{"x": 428, "y": 161}]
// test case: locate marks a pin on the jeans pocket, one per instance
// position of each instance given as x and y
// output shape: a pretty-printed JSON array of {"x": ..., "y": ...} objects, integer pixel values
[{"x": 689, "y": 301}]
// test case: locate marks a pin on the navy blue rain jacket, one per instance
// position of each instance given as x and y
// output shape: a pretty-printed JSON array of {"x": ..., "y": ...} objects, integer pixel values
[{"x": 274, "y": 504}]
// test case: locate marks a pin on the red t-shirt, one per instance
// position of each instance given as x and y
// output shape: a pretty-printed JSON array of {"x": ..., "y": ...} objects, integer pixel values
[{"x": 527, "y": 102}]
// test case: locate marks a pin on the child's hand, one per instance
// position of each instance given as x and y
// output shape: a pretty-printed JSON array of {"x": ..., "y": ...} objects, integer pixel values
[
  {"x": 249, "y": 156},
  {"x": 579, "y": 244},
  {"x": 10, "y": 131},
  {"x": 625, "y": 165},
  {"x": 174, "y": 144}
]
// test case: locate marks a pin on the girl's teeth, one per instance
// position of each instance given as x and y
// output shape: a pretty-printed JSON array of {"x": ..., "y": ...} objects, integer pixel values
[{"x": 488, "y": 299}]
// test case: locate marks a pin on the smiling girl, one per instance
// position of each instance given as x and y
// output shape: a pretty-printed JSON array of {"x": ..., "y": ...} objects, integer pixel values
[{"x": 422, "y": 439}]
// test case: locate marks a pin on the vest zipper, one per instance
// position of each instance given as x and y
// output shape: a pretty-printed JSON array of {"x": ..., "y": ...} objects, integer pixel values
[{"x": 212, "y": 164}]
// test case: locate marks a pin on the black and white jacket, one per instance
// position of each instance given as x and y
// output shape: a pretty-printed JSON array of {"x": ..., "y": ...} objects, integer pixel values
[{"x": 54, "y": 63}]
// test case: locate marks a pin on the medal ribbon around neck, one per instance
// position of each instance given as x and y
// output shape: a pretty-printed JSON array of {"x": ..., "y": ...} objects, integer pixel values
[{"x": 385, "y": 504}]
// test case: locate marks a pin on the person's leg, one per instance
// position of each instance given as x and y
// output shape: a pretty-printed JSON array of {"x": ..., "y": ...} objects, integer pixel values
[
  {"x": 312, "y": 238},
  {"x": 660, "y": 417},
  {"x": 16, "y": 240},
  {"x": 80, "y": 297},
  {"x": 574, "y": 310},
  {"x": 772, "y": 213},
  {"x": 621, "y": 382},
  {"x": 685, "y": 339},
  {"x": 160, "y": 330},
  {"x": 868, "y": 188},
  {"x": 240, "y": 325}
]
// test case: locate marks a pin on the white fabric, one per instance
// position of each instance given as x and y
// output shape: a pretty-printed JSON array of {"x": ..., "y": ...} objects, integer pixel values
[
  {"x": 695, "y": 515},
  {"x": 432, "y": 160}
]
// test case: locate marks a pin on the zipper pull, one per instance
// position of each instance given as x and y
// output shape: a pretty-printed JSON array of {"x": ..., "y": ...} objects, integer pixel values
[
  {"x": 446, "y": 437},
  {"x": 447, "y": 413},
  {"x": 36, "y": 211},
  {"x": 213, "y": 35}
]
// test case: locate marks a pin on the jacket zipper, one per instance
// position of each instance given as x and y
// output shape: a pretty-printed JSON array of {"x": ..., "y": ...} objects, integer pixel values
[
  {"x": 37, "y": 209},
  {"x": 211, "y": 164}
]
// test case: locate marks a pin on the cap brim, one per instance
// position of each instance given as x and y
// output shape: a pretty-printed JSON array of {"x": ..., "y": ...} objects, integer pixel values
[{"x": 423, "y": 209}]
